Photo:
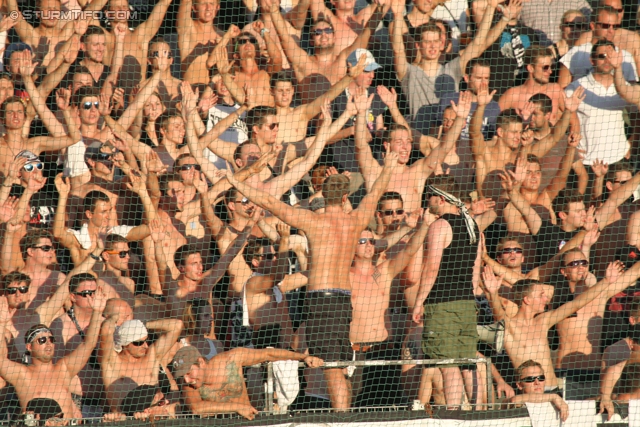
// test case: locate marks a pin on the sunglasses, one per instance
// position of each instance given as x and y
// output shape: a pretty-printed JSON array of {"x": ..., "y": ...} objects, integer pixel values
[
  {"x": 29, "y": 167},
  {"x": 138, "y": 343},
  {"x": 321, "y": 31},
  {"x": 620, "y": 182},
  {"x": 13, "y": 291},
  {"x": 189, "y": 167},
  {"x": 546, "y": 67},
  {"x": 85, "y": 294},
  {"x": 578, "y": 263},
  {"x": 45, "y": 248},
  {"x": 87, "y": 105},
  {"x": 389, "y": 212},
  {"x": 533, "y": 379},
  {"x": 507, "y": 251},
  {"x": 244, "y": 201},
  {"x": 607, "y": 26},
  {"x": 43, "y": 340},
  {"x": 121, "y": 254},
  {"x": 365, "y": 240},
  {"x": 600, "y": 56},
  {"x": 245, "y": 40},
  {"x": 272, "y": 126}
]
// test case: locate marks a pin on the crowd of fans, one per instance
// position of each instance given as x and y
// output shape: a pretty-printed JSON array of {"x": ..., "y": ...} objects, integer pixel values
[{"x": 182, "y": 200}]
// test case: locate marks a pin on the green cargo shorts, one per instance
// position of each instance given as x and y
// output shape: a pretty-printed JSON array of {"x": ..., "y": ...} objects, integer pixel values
[{"x": 450, "y": 330}]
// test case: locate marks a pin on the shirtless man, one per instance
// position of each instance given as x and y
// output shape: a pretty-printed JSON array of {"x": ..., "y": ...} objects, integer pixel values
[
  {"x": 217, "y": 385},
  {"x": 136, "y": 42},
  {"x": 43, "y": 379},
  {"x": 345, "y": 22},
  {"x": 371, "y": 293},
  {"x": 331, "y": 53},
  {"x": 510, "y": 139},
  {"x": 539, "y": 64},
  {"x": 531, "y": 382},
  {"x": 125, "y": 352},
  {"x": 526, "y": 332},
  {"x": 407, "y": 180},
  {"x": 332, "y": 236},
  {"x": 197, "y": 38},
  {"x": 169, "y": 86},
  {"x": 32, "y": 255}
]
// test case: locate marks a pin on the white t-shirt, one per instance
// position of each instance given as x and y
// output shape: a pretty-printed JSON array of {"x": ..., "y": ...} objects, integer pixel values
[
  {"x": 601, "y": 121},
  {"x": 578, "y": 61}
]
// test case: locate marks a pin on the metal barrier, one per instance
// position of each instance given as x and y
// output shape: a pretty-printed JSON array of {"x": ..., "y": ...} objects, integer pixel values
[{"x": 328, "y": 365}]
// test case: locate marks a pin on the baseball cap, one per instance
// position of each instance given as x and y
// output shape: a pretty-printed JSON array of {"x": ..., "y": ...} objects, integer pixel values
[
  {"x": 184, "y": 359},
  {"x": 371, "y": 64},
  {"x": 30, "y": 156}
]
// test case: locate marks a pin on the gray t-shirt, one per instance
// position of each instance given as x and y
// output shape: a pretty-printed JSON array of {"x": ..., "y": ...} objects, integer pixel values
[{"x": 425, "y": 90}]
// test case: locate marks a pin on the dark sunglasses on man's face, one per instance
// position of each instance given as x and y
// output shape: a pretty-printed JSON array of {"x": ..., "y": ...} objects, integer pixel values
[
  {"x": 272, "y": 126},
  {"x": 508, "y": 251},
  {"x": 121, "y": 254},
  {"x": 138, "y": 343},
  {"x": 600, "y": 56},
  {"x": 578, "y": 263},
  {"x": 546, "y": 67},
  {"x": 85, "y": 294},
  {"x": 188, "y": 167},
  {"x": 605, "y": 26},
  {"x": 45, "y": 248},
  {"x": 87, "y": 105},
  {"x": 245, "y": 40},
  {"x": 365, "y": 240},
  {"x": 13, "y": 291},
  {"x": 29, "y": 167},
  {"x": 389, "y": 212},
  {"x": 244, "y": 201},
  {"x": 321, "y": 31},
  {"x": 533, "y": 379},
  {"x": 43, "y": 340}
]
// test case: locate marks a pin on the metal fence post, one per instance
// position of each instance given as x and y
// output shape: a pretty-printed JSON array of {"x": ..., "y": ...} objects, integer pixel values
[{"x": 270, "y": 388}]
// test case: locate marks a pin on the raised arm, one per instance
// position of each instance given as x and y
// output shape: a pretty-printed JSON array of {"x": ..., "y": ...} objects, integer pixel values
[
  {"x": 616, "y": 198},
  {"x": 190, "y": 114},
  {"x": 398, "y": 263},
  {"x": 26, "y": 32},
  {"x": 11, "y": 372},
  {"x": 298, "y": 57},
  {"x": 560, "y": 179},
  {"x": 630, "y": 93},
  {"x": 171, "y": 328},
  {"x": 368, "y": 205},
  {"x": 148, "y": 29},
  {"x": 512, "y": 182},
  {"x": 129, "y": 115},
  {"x": 368, "y": 165},
  {"x": 397, "y": 42},
  {"x": 479, "y": 43}
]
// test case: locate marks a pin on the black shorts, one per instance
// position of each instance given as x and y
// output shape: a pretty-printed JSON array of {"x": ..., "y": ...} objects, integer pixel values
[{"x": 328, "y": 323}]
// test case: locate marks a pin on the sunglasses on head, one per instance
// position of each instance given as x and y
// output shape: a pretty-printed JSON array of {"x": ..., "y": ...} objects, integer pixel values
[
  {"x": 87, "y": 105},
  {"x": 533, "y": 379},
  {"x": 43, "y": 340},
  {"x": 321, "y": 31},
  {"x": 121, "y": 254},
  {"x": 85, "y": 294},
  {"x": 606, "y": 26},
  {"x": 138, "y": 343},
  {"x": 578, "y": 263},
  {"x": 507, "y": 251},
  {"x": 389, "y": 212},
  {"x": 45, "y": 248},
  {"x": 13, "y": 291},
  {"x": 188, "y": 167},
  {"x": 272, "y": 126},
  {"x": 366, "y": 240},
  {"x": 29, "y": 167}
]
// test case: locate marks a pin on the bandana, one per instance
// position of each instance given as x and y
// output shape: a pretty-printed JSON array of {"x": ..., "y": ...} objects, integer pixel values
[
  {"x": 468, "y": 220},
  {"x": 29, "y": 338}
]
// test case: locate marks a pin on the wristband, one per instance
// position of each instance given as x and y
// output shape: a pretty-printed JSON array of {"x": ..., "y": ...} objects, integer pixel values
[{"x": 97, "y": 258}]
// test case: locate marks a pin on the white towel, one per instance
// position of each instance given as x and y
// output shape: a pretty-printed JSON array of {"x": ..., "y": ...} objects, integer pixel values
[{"x": 287, "y": 386}]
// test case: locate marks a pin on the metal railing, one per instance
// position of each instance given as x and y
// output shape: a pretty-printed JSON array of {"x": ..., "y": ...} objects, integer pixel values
[{"x": 269, "y": 407}]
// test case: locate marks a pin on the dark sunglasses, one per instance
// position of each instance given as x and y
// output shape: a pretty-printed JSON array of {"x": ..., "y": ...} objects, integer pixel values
[
  {"x": 87, "y": 105},
  {"x": 29, "y": 167},
  {"x": 620, "y": 182},
  {"x": 244, "y": 201},
  {"x": 578, "y": 263},
  {"x": 85, "y": 294},
  {"x": 607, "y": 26},
  {"x": 389, "y": 212},
  {"x": 43, "y": 340},
  {"x": 546, "y": 67},
  {"x": 540, "y": 378},
  {"x": 138, "y": 343},
  {"x": 245, "y": 40},
  {"x": 121, "y": 254},
  {"x": 13, "y": 291},
  {"x": 576, "y": 25},
  {"x": 600, "y": 56},
  {"x": 189, "y": 167},
  {"x": 45, "y": 248},
  {"x": 364, "y": 241},
  {"x": 272, "y": 126},
  {"x": 321, "y": 31},
  {"x": 507, "y": 251}
]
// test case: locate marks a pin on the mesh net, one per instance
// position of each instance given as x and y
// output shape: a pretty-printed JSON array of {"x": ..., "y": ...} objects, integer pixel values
[{"x": 342, "y": 211}]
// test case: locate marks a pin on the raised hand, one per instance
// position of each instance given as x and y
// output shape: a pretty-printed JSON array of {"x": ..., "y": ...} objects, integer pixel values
[
  {"x": 63, "y": 96},
  {"x": 591, "y": 237},
  {"x": 137, "y": 184},
  {"x": 351, "y": 108},
  {"x": 463, "y": 108},
  {"x": 480, "y": 206},
  {"x": 260, "y": 164},
  {"x": 27, "y": 66},
  {"x": 80, "y": 26},
  {"x": 62, "y": 185},
  {"x": 509, "y": 183},
  {"x": 6, "y": 23},
  {"x": 199, "y": 182},
  {"x": 98, "y": 301},
  {"x": 205, "y": 104},
  {"x": 520, "y": 172},
  {"x": 574, "y": 139},
  {"x": 527, "y": 110},
  {"x": 513, "y": 10},
  {"x": 156, "y": 228},
  {"x": 390, "y": 159},
  {"x": 15, "y": 167},
  {"x": 362, "y": 100},
  {"x": 615, "y": 57},
  {"x": 389, "y": 97},
  {"x": 614, "y": 271},
  {"x": 326, "y": 113},
  {"x": 490, "y": 282},
  {"x": 572, "y": 103},
  {"x": 599, "y": 168},
  {"x": 189, "y": 99},
  {"x": 120, "y": 31},
  {"x": 283, "y": 230},
  {"x": 484, "y": 96},
  {"x": 105, "y": 105},
  {"x": 357, "y": 69},
  {"x": 527, "y": 137},
  {"x": 7, "y": 211},
  {"x": 413, "y": 218},
  {"x": 117, "y": 99}
]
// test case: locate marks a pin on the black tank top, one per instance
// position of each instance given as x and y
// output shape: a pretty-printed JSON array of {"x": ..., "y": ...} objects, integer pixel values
[{"x": 454, "y": 281}]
